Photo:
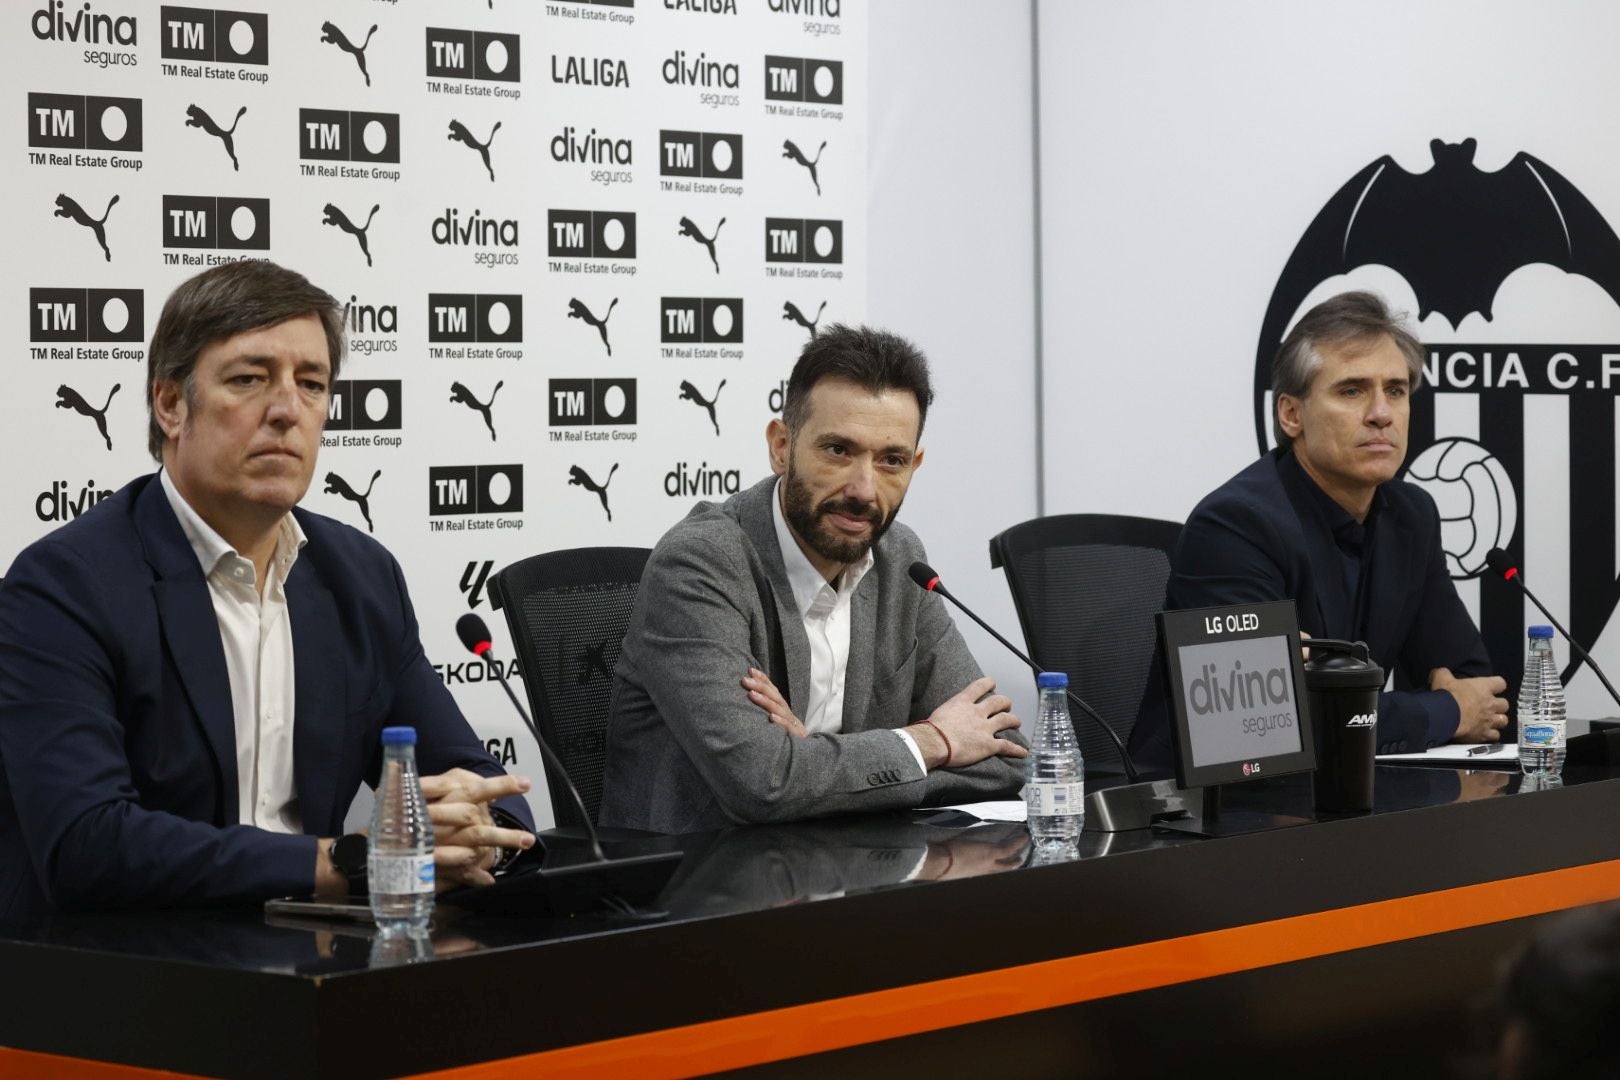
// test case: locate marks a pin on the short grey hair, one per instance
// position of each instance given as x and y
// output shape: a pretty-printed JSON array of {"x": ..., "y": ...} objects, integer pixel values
[{"x": 1345, "y": 319}]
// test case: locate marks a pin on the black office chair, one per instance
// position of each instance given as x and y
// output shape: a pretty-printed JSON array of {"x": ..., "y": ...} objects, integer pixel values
[
  {"x": 1086, "y": 587},
  {"x": 568, "y": 611}
]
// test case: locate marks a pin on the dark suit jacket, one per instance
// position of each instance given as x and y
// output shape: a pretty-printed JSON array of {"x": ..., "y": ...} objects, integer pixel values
[
  {"x": 687, "y": 750},
  {"x": 117, "y": 738},
  {"x": 1248, "y": 541}
]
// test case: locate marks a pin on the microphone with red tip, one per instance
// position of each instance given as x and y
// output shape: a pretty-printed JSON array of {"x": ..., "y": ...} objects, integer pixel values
[
  {"x": 924, "y": 575},
  {"x": 1502, "y": 565},
  {"x": 474, "y": 634}
]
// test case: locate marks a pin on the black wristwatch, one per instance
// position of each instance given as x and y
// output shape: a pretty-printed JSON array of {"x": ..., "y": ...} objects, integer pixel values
[{"x": 348, "y": 855}]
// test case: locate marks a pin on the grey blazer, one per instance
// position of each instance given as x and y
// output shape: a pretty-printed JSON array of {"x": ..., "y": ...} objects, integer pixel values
[{"x": 687, "y": 750}]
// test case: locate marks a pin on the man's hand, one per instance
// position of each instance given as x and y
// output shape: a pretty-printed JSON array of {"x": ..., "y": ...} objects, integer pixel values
[
  {"x": 962, "y": 731},
  {"x": 1482, "y": 711},
  {"x": 763, "y": 692},
  {"x": 466, "y": 840}
]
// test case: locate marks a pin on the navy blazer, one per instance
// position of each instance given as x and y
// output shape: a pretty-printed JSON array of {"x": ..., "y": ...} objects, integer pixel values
[
  {"x": 117, "y": 738},
  {"x": 1247, "y": 542}
]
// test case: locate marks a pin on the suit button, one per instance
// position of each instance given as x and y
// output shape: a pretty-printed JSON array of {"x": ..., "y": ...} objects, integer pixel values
[{"x": 873, "y": 779}]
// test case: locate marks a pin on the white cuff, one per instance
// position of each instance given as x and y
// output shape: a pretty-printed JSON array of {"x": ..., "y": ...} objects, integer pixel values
[{"x": 911, "y": 744}]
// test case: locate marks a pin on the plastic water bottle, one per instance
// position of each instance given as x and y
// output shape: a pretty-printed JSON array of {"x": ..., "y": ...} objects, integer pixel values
[
  {"x": 399, "y": 849},
  {"x": 1054, "y": 790},
  {"x": 1541, "y": 708}
]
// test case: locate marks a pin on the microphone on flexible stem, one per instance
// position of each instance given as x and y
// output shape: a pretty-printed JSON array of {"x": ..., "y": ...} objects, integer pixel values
[
  {"x": 924, "y": 575},
  {"x": 1502, "y": 564},
  {"x": 474, "y": 634}
]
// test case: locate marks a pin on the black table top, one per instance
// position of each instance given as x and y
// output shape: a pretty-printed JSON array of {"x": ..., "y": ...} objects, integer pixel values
[{"x": 759, "y": 918}]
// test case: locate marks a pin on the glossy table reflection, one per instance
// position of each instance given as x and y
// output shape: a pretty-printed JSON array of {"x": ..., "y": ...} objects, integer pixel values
[{"x": 880, "y": 944}]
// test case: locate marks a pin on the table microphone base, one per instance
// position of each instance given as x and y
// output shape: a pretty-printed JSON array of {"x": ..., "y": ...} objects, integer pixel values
[{"x": 1137, "y": 806}]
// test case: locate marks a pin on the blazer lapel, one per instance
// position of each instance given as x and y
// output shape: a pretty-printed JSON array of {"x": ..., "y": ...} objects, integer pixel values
[
  {"x": 759, "y": 524},
  {"x": 1388, "y": 578},
  {"x": 320, "y": 694},
  {"x": 191, "y": 633},
  {"x": 858, "y": 673}
]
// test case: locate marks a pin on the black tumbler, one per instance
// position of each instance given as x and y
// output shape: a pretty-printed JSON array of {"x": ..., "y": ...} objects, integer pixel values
[{"x": 1343, "y": 685}]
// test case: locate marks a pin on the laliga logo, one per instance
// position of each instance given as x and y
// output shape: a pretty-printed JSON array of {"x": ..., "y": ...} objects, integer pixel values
[{"x": 1362, "y": 720}]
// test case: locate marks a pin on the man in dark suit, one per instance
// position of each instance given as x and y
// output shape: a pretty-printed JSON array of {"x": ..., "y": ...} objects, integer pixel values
[
  {"x": 194, "y": 675},
  {"x": 780, "y": 664},
  {"x": 1322, "y": 521}
]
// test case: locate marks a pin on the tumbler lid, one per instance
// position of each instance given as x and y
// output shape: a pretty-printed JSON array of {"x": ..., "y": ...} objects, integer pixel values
[{"x": 1341, "y": 665}]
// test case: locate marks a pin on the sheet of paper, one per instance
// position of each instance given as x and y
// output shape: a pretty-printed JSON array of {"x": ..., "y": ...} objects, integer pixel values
[
  {"x": 1463, "y": 754},
  {"x": 1006, "y": 810}
]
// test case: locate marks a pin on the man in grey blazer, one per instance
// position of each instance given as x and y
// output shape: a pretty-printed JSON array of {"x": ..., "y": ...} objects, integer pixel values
[{"x": 780, "y": 664}]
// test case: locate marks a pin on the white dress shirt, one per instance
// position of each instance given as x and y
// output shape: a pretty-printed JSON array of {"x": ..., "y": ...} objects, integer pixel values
[
  {"x": 256, "y": 633},
  {"x": 825, "y": 608}
]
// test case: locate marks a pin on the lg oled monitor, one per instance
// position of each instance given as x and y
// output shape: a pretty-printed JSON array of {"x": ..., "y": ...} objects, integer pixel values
[{"x": 1238, "y": 708}]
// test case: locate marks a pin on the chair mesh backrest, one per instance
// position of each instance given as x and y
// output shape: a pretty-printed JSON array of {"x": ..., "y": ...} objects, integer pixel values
[
  {"x": 1087, "y": 587},
  {"x": 568, "y": 611}
]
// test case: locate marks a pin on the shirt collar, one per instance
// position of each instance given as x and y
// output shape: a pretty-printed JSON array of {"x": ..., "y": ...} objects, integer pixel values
[
  {"x": 1348, "y": 533},
  {"x": 805, "y": 579},
  {"x": 210, "y": 547}
]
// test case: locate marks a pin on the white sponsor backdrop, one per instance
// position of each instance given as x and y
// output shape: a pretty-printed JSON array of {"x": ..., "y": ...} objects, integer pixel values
[
  {"x": 553, "y": 76},
  {"x": 1185, "y": 149}
]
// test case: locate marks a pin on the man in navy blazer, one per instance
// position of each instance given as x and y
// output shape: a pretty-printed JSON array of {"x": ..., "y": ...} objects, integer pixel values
[
  {"x": 194, "y": 675},
  {"x": 1322, "y": 521}
]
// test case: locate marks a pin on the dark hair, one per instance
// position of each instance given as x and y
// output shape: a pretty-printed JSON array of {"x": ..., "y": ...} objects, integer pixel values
[
  {"x": 874, "y": 360},
  {"x": 1563, "y": 990},
  {"x": 220, "y": 303},
  {"x": 1348, "y": 318}
]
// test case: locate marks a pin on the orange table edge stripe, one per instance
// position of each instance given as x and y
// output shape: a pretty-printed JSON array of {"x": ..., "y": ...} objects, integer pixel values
[{"x": 800, "y": 1030}]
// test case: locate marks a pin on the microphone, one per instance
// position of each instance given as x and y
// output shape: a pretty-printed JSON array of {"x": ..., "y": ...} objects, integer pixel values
[
  {"x": 1499, "y": 562},
  {"x": 474, "y": 634},
  {"x": 924, "y": 576}
]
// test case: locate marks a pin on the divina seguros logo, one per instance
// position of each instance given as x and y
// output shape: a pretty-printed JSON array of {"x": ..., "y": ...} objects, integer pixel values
[{"x": 86, "y": 26}]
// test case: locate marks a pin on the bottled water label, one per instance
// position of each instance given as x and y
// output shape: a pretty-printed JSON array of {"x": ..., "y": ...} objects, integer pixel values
[
  {"x": 1543, "y": 734},
  {"x": 393, "y": 875},
  {"x": 1046, "y": 798}
]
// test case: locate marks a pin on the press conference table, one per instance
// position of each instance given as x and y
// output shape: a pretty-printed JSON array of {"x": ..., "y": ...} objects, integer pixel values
[{"x": 879, "y": 945}]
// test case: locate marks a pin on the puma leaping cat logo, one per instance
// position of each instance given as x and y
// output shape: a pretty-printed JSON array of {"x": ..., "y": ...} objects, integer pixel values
[
  {"x": 197, "y": 118},
  {"x": 791, "y": 151},
  {"x": 331, "y": 35},
  {"x": 462, "y": 396},
  {"x": 459, "y": 133},
  {"x": 66, "y": 207},
  {"x": 577, "y": 310},
  {"x": 331, "y": 215},
  {"x": 689, "y": 229},
  {"x": 593, "y": 658},
  {"x": 336, "y": 485},
  {"x": 579, "y": 477},
  {"x": 690, "y": 393},
  {"x": 69, "y": 398},
  {"x": 790, "y": 313}
]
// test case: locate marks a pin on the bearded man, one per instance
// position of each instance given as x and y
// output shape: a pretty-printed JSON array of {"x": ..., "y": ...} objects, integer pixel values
[{"x": 780, "y": 664}]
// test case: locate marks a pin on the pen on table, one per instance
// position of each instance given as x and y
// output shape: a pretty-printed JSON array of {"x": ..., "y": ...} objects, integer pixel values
[{"x": 1493, "y": 748}]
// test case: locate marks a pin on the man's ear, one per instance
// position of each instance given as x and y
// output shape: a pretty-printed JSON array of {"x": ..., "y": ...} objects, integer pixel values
[
  {"x": 779, "y": 441},
  {"x": 1288, "y": 415},
  {"x": 916, "y": 459},
  {"x": 169, "y": 406}
]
